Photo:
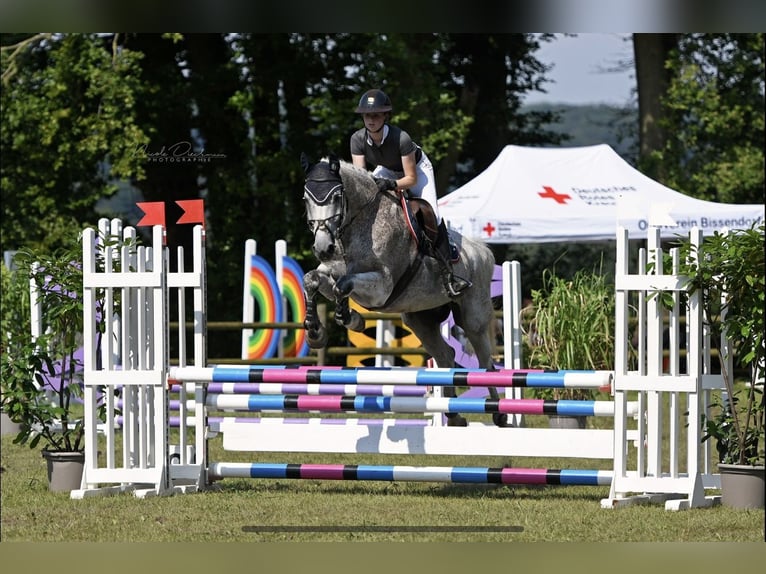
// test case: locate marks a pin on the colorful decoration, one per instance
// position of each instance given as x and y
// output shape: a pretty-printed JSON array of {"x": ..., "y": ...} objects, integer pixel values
[
  {"x": 295, "y": 343},
  {"x": 277, "y": 302},
  {"x": 264, "y": 343}
]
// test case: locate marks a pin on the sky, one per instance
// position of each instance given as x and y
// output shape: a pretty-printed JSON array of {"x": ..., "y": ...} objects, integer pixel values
[{"x": 578, "y": 70}]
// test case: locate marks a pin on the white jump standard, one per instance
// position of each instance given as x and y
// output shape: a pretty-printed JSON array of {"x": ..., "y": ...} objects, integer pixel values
[{"x": 139, "y": 288}]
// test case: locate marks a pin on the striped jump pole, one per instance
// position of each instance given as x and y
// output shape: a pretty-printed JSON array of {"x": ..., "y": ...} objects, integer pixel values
[
  {"x": 306, "y": 389},
  {"x": 601, "y": 380},
  {"x": 455, "y": 474},
  {"x": 336, "y": 403}
]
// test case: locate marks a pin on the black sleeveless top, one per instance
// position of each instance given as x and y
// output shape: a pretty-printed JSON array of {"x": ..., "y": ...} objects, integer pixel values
[{"x": 389, "y": 153}]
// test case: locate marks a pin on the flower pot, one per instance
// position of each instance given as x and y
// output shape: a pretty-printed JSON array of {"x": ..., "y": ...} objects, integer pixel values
[
  {"x": 64, "y": 470},
  {"x": 7, "y": 426},
  {"x": 742, "y": 485},
  {"x": 566, "y": 422}
]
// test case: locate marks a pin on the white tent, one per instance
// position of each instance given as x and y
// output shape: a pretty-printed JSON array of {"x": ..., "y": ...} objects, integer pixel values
[{"x": 537, "y": 195}]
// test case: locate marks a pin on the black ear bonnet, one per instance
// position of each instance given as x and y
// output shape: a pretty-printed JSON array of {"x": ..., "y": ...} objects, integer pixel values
[{"x": 322, "y": 180}]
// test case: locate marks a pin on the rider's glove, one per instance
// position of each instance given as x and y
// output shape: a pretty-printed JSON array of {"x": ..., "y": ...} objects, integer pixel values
[{"x": 384, "y": 184}]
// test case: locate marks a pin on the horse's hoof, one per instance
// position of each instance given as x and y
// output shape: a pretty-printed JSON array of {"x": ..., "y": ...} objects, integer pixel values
[
  {"x": 500, "y": 420},
  {"x": 456, "y": 420},
  {"x": 317, "y": 339}
]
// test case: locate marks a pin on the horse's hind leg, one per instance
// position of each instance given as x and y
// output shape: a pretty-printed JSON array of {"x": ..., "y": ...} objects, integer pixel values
[{"x": 478, "y": 325}]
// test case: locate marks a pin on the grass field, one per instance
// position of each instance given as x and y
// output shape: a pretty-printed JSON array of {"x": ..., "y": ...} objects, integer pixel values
[{"x": 246, "y": 510}]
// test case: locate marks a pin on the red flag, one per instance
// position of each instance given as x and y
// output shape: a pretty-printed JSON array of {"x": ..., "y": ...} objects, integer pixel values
[
  {"x": 194, "y": 211},
  {"x": 154, "y": 213}
]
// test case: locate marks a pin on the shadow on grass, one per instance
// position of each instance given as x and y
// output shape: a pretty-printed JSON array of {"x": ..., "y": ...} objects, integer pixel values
[{"x": 426, "y": 490}]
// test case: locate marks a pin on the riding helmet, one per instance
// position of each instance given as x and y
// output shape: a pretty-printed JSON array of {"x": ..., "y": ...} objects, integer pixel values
[{"x": 374, "y": 101}]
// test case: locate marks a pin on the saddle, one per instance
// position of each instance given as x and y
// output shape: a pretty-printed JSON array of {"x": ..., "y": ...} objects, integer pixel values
[{"x": 421, "y": 220}]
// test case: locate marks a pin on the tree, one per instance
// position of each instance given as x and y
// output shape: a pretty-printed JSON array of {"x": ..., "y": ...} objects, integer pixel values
[
  {"x": 713, "y": 104},
  {"x": 651, "y": 51},
  {"x": 458, "y": 95},
  {"x": 490, "y": 75},
  {"x": 68, "y": 130},
  {"x": 109, "y": 103}
]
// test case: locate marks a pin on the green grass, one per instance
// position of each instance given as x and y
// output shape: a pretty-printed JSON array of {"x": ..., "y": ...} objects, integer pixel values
[{"x": 244, "y": 510}]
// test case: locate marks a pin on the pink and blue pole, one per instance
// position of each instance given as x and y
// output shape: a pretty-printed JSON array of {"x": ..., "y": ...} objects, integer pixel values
[
  {"x": 394, "y": 375},
  {"x": 456, "y": 474},
  {"x": 365, "y": 404}
]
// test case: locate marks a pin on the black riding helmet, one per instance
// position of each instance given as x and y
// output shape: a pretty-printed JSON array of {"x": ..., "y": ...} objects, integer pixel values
[{"x": 374, "y": 101}]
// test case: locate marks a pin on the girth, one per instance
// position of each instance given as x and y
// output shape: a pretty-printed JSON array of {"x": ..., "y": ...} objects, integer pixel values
[{"x": 402, "y": 283}]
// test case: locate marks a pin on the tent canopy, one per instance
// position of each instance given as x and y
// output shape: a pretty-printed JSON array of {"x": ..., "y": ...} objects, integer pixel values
[{"x": 538, "y": 195}]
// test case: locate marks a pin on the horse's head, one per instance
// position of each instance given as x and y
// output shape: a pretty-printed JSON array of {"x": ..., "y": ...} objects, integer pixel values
[{"x": 325, "y": 204}]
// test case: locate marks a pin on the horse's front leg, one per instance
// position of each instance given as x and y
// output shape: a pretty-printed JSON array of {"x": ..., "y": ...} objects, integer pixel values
[
  {"x": 344, "y": 315},
  {"x": 315, "y": 282},
  {"x": 366, "y": 288},
  {"x": 347, "y": 317}
]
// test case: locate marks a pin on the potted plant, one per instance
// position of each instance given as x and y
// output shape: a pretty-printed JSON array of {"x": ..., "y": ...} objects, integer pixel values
[
  {"x": 572, "y": 327},
  {"x": 729, "y": 272},
  {"x": 10, "y": 304},
  {"x": 41, "y": 377}
]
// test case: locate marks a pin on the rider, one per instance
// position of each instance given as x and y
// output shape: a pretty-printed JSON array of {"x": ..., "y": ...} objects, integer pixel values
[{"x": 401, "y": 164}]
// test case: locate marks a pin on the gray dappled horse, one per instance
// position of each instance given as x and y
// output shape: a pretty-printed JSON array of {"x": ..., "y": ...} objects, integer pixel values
[{"x": 366, "y": 250}]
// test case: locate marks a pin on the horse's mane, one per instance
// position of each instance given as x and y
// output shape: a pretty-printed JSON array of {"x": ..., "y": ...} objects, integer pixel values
[{"x": 357, "y": 178}]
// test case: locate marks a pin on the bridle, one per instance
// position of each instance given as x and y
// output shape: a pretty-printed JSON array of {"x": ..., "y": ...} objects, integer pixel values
[{"x": 324, "y": 188}]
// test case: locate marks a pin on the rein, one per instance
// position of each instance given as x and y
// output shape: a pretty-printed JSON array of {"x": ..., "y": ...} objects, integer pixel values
[{"x": 407, "y": 220}]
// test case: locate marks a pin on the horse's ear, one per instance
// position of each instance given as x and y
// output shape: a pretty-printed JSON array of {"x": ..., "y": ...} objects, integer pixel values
[
  {"x": 334, "y": 163},
  {"x": 305, "y": 162}
]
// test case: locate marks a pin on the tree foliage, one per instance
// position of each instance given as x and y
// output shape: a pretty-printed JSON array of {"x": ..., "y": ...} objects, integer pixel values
[
  {"x": 82, "y": 113},
  {"x": 714, "y": 109},
  {"x": 67, "y": 129}
]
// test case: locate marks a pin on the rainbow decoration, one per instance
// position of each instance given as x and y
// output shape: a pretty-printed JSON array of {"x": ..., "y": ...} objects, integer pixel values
[
  {"x": 264, "y": 343},
  {"x": 295, "y": 343}
]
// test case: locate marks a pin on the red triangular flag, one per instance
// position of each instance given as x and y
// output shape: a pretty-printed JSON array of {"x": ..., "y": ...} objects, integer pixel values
[
  {"x": 154, "y": 213},
  {"x": 194, "y": 211}
]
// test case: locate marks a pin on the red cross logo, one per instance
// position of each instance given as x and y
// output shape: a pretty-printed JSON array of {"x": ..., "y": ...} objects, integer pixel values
[
  {"x": 488, "y": 229},
  {"x": 550, "y": 193}
]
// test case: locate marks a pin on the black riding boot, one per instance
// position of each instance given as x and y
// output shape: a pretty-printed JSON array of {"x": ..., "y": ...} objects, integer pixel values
[{"x": 443, "y": 252}]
